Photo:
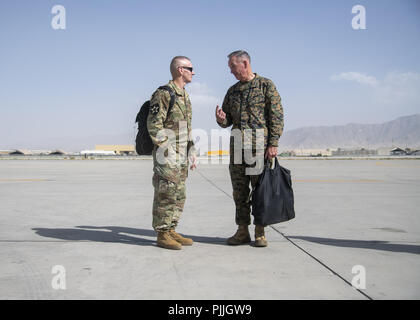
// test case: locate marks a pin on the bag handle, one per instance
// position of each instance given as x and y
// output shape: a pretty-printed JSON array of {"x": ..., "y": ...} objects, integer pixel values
[
  {"x": 268, "y": 165},
  {"x": 271, "y": 164}
]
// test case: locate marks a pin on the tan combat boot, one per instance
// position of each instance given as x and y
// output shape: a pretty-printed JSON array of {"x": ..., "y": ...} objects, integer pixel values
[
  {"x": 164, "y": 240},
  {"x": 240, "y": 237},
  {"x": 260, "y": 240},
  {"x": 180, "y": 239}
]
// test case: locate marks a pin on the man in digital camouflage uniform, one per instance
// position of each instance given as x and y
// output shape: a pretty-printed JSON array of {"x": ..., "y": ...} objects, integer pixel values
[
  {"x": 252, "y": 104},
  {"x": 170, "y": 133}
]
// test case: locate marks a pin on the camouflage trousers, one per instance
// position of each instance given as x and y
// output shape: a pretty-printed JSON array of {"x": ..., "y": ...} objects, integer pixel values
[
  {"x": 241, "y": 191},
  {"x": 168, "y": 203}
]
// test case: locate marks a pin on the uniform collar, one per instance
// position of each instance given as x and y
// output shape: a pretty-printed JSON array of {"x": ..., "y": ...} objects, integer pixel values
[
  {"x": 245, "y": 85},
  {"x": 250, "y": 81},
  {"x": 178, "y": 91}
]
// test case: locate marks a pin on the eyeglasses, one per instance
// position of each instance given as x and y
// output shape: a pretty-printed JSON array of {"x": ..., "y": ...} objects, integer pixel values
[{"x": 188, "y": 68}]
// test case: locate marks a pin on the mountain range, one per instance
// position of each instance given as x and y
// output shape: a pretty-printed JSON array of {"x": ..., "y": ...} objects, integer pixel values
[{"x": 401, "y": 132}]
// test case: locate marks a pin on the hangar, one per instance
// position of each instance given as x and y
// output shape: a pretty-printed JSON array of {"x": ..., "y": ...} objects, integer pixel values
[{"x": 21, "y": 152}]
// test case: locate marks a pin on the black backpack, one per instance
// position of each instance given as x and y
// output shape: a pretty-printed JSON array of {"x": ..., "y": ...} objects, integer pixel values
[{"x": 144, "y": 144}]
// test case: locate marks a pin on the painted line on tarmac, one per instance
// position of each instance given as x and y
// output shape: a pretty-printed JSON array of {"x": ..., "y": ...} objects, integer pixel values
[
  {"x": 323, "y": 264},
  {"x": 284, "y": 236},
  {"x": 213, "y": 184}
]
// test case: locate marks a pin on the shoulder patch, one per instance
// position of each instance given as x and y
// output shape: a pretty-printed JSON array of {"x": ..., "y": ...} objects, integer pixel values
[{"x": 154, "y": 109}]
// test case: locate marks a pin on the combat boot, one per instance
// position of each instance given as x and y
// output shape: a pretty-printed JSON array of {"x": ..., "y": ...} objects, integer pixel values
[
  {"x": 180, "y": 239},
  {"x": 240, "y": 237},
  {"x": 164, "y": 240},
  {"x": 260, "y": 240}
]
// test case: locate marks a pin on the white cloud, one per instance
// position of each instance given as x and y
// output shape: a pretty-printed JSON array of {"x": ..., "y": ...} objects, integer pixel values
[
  {"x": 401, "y": 89},
  {"x": 356, "y": 76},
  {"x": 201, "y": 96},
  {"x": 204, "y": 104}
]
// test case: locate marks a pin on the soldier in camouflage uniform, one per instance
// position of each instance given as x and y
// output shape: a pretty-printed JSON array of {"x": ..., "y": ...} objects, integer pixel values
[
  {"x": 170, "y": 132},
  {"x": 252, "y": 105}
]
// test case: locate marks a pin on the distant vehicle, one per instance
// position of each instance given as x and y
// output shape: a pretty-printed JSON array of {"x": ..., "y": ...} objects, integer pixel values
[{"x": 97, "y": 153}]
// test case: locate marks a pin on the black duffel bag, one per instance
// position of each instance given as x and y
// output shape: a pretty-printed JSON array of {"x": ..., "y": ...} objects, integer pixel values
[{"x": 272, "y": 198}]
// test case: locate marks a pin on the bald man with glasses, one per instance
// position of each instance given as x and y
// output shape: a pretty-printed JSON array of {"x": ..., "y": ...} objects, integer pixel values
[{"x": 173, "y": 152}]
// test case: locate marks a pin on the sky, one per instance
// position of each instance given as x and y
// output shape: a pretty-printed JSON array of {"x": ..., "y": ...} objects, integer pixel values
[{"x": 83, "y": 85}]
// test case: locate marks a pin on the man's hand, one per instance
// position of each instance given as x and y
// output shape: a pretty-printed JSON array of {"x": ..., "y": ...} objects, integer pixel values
[
  {"x": 193, "y": 160},
  {"x": 271, "y": 152},
  {"x": 220, "y": 115}
]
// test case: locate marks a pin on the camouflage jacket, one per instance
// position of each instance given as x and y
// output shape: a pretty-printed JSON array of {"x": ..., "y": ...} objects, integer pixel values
[
  {"x": 170, "y": 133},
  {"x": 255, "y": 104}
]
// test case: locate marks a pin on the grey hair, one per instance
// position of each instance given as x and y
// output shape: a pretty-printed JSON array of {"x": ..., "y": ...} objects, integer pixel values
[
  {"x": 175, "y": 63},
  {"x": 240, "y": 54}
]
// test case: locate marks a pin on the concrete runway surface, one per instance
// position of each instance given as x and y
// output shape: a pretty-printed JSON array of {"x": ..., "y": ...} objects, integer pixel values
[{"x": 81, "y": 229}]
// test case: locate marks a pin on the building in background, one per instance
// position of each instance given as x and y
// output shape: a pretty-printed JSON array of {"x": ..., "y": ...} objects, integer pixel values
[
  {"x": 311, "y": 152},
  {"x": 97, "y": 153},
  {"x": 57, "y": 153},
  {"x": 354, "y": 152},
  {"x": 117, "y": 149},
  {"x": 21, "y": 152}
]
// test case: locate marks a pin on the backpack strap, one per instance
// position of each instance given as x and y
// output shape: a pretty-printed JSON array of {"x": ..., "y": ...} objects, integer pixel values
[{"x": 172, "y": 94}]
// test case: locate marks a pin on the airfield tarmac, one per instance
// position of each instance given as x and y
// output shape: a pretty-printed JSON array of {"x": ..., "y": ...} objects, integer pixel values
[{"x": 356, "y": 234}]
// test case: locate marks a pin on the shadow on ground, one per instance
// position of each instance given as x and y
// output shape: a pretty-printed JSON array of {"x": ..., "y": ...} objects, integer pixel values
[
  {"x": 114, "y": 234},
  {"x": 362, "y": 244}
]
